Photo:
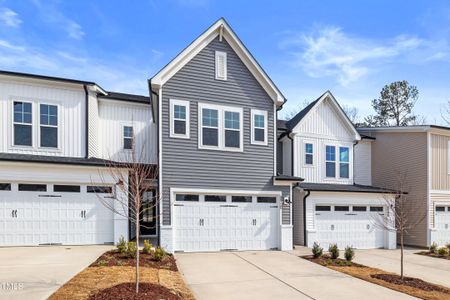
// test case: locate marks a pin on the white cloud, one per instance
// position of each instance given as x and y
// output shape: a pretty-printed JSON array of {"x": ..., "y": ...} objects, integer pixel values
[
  {"x": 9, "y": 17},
  {"x": 74, "y": 30}
]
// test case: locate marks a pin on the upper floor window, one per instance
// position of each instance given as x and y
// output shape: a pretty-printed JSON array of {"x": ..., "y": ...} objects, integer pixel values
[
  {"x": 259, "y": 127},
  {"x": 309, "y": 154},
  {"x": 221, "y": 65},
  {"x": 128, "y": 137},
  {"x": 179, "y": 118},
  {"x": 48, "y": 125},
  {"x": 330, "y": 162},
  {"x": 220, "y": 127},
  {"x": 344, "y": 162},
  {"x": 23, "y": 124}
]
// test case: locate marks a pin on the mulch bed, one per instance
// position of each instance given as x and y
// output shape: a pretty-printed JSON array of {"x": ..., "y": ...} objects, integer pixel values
[
  {"x": 410, "y": 281},
  {"x": 428, "y": 253},
  {"x": 326, "y": 260},
  {"x": 115, "y": 258},
  {"x": 125, "y": 291}
]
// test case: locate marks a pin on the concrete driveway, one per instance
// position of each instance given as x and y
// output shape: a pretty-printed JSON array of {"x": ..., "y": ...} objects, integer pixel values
[
  {"x": 430, "y": 269},
  {"x": 36, "y": 272},
  {"x": 271, "y": 275}
]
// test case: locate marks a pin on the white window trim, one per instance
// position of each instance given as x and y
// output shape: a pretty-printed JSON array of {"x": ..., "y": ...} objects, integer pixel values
[
  {"x": 336, "y": 169},
  {"x": 221, "y": 127},
  {"x": 448, "y": 157},
  {"x": 224, "y": 55},
  {"x": 186, "y": 104},
  {"x": 304, "y": 154},
  {"x": 339, "y": 162},
  {"x": 263, "y": 113},
  {"x": 57, "y": 148},
  {"x": 123, "y": 136},
  {"x": 20, "y": 123}
]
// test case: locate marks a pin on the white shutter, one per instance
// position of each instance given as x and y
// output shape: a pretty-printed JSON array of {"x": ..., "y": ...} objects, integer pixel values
[{"x": 221, "y": 65}]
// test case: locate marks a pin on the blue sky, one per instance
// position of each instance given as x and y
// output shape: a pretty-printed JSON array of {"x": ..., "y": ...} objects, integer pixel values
[{"x": 352, "y": 48}]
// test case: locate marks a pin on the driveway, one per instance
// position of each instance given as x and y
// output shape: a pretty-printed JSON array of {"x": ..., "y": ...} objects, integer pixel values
[
  {"x": 36, "y": 272},
  {"x": 271, "y": 275},
  {"x": 430, "y": 269}
]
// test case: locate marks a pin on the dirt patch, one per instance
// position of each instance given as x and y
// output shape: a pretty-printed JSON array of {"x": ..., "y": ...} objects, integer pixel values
[
  {"x": 125, "y": 291},
  {"x": 410, "y": 281},
  {"x": 430, "y": 254},
  {"x": 114, "y": 258}
]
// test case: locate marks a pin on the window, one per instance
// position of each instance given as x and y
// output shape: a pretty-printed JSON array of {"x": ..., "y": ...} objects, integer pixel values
[
  {"x": 99, "y": 189},
  {"x": 259, "y": 127},
  {"x": 48, "y": 125},
  {"x": 309, "y": 154},
  {"x": 440, "y": 208},
  {"x": 128, "y": 137},
  {"x": 66, "y": 188},
  {"x": 376, "y": 208},
  {"x": 221, "y": 65},
  {"x": 215, "y": 198},
  {"x": 179, "y": 118},
  {"x": 344, "y": 162},
  {"x": 266, "y": 199},
  {"x": 185, "y": 197},
  {"x": 23, "y": 120},
  {"x": 341, "y": 208},
  {"x": 330, "y": 163},
  {"x": 241, "y": 199},
  {"x": 323, "y": 208},
  {"x": 220, "y": 128},
  {"x": 359, "y": 208},
  {"x": 32, "y": 187},
  {"x": 5, "y": 186}
]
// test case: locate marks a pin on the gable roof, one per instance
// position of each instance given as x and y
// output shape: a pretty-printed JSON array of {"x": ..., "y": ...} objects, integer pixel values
[
  {"x": 222, "y": 29},
  {"x": 297, "y": 119}
]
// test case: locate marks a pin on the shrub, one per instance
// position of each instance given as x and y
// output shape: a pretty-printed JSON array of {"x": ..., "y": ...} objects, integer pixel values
[
  {"x": 147, "y": 247},
  {"x": 159, "y": 254},
  {"x": 317, "y": 251},
  {"x": 443, "y": 251},
  {"x": 122, "y": 245},
  {"x": 448, "y": 246},
  {"x": 334, "y": 251},
  {"x": 131, "y": 249},
  {"x": 433, "y": 248},
  {"x": 349, "y": 253}
]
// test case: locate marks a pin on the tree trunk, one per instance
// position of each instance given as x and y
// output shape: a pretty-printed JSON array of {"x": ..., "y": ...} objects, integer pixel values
[
  {"x": 137, "y": 254},
  {"x": 401, "y": 255}
]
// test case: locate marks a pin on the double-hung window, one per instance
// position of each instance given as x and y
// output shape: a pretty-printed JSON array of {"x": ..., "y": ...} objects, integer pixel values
[
  {"x": 330, "y": 163},
  {"x": 309, "y": 157},
  {"x": 220, "y": 127},
  {"x": 344, "y": 162},
  {"x": 259, "y": 127},
  {"x": 23, "y": 124},
  {"x": 48, "y": 125},
  {"x": 128, "y": 135},
  {"x": 179, "y": 118}
]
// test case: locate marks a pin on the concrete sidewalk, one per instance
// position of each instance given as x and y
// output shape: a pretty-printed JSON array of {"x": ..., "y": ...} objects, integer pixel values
[{"x": 271, "y": 275}]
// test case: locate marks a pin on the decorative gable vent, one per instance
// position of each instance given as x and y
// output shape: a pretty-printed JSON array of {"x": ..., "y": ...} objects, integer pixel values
[{"x": 221, "y": 65}]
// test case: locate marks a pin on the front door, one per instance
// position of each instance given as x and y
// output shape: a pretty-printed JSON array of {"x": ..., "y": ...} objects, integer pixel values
[{"x": 148, "y": 213}]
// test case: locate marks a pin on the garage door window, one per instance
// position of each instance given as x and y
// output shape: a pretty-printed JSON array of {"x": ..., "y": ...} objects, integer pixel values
[
  {"x": 186, "y": 197},
  {"x": 440, "y": 208},
  {"x": 376, "y": 208},
  {"x": 99, "y": 189},
  {"x": 266, "y": 200},
  {"x": 5, "y": 186},
  {"x": 215, "y": 198},
  {"x": 359, "y": 208},
  {"x": 32, "y": 187},
  {"x": 66, "y": 188},
  {"x": 323, "y": 208},
  {"x": 241, "y": 199},
  {"x": 341, "y": 208}
]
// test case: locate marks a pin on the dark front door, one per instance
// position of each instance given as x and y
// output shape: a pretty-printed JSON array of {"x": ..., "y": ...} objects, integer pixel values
[{"x": 148, "y": 213}]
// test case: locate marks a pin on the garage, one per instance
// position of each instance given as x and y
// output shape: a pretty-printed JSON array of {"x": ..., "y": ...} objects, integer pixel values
[
  {"x": 225, "y": 222},
  {"x": 442, "y": 220},
  {"x": 45, "y": 213}
]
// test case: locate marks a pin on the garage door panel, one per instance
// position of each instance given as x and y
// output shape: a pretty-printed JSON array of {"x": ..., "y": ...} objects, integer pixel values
[{"x": 442, "y": 220}]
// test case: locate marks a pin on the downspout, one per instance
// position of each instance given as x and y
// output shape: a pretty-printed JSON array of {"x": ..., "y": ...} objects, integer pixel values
[
  {"x": 86, "y": 92},
  {"x": 292, "y": 152},
  {"x": 308, "y": 192}
]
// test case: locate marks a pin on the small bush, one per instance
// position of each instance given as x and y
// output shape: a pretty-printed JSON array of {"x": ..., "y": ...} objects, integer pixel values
[
  {"x": 334, "y": 251},
  {"x": 433, "y": 248},
  {"x": 317, "y": 251},
  {"x": 349, "y": 253},
  {"x": 159, "y": 254},
  {"x": 448, "y": 246},
  {"x": 443, "y": 251},
  {"x": 131, "y": 249},
  {"x": 102, "y": 263},
  {"x": 122, "y": 245},
  {"x": 147, "y": 247}
]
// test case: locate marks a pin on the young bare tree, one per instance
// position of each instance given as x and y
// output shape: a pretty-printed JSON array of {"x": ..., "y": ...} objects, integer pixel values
[
  {"x": 352, "y": 113},
  {"x": 445, "y": 113},
  {"x": 133, "y": 176}
]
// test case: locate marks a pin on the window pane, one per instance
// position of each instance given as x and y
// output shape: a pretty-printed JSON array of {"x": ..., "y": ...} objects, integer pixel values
[
  {"x": 210, "y": 137},
  {"x": 232, "y": 120},
  {"x": 309, "y": 148},
  {"x": 215, "y": 198},
  {"x": 180, "y": 127},
  {"x": 22, "y": 135},
  {"x": 5, "y": 186},
  {"x": 309, "y": 159},
  {"x": 341, "y": 208},
  {"x": 53, "y": 110},
  {"x": 33, "y": 187},
  {"x": 359, "y": 208},
  {"x": 179, "y": 112},
  {"x": 128, "y": 131},
  {"x": 27, "y": 118},
  {"x": 18, "y": 117},
  {"x": 376, "y": 208},
  {"x": 18, "y": 107},
  {"x": 241, "y": 198},
  {"x": 259, "y": 135},
  {"x": 344, "y": 154},
  {"x": 27, "y": 108},
  {"x": 331, "y": 169},
  {"x": 259, "y": 121},
  {"x": 99, "y": 189},
  {"x": 49, "y": 137},
  {"x": 266, "y": 200},
  {"x": 184, "y": 197},
  {"x": 232, "y": 138},
  {"x": 344, "y": 170},
  {"x": 440, "y": 208},
  {"x": 48, "y": 114},
  {"x": 66, "y": 188},
  {"x": 331, "y": 153},
  {"x": 127, "y": 144},
  {"x": 323, "y": 208},
  {"x": 210, "y": 117},
  {"x": 53, "y": 120}
]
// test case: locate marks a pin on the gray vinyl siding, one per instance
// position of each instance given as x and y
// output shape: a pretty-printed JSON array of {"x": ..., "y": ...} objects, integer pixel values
[{"x": 184, "y": 165}]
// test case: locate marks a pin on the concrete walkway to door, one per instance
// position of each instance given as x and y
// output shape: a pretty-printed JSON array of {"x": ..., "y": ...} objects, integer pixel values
[{"x": 271, "y": 275}]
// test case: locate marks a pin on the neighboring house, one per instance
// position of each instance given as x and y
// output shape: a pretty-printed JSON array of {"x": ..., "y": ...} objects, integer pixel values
[
  {"x": 420, "y": 154},
  {"x": 336, "y": 203},
  {"x": 56, "y": 137}
]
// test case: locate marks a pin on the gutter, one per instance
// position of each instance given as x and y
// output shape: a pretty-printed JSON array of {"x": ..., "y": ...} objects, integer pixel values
[{"x": 86, "y": 92}]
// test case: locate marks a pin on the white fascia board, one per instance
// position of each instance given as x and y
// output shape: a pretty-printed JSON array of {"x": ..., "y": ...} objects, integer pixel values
[{"x": 396, "y": 129}]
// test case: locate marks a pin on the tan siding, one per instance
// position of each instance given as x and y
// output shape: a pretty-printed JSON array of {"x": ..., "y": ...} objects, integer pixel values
[
  {"x": 439, "y": 161},
  {"x": 404, "y": 153}
]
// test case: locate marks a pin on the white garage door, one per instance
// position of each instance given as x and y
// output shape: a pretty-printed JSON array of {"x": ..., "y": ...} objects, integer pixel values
[
  {"x": 442, "y": 219},
  {"x": 356, "y": 226},
  {"x": 205, "y": 226},
  {"x": 43, "y": 217}
]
